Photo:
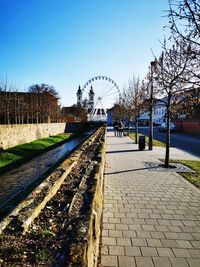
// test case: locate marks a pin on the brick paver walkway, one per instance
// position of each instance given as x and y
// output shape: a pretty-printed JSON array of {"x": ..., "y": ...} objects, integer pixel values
[{"x": 150, "y": 218}]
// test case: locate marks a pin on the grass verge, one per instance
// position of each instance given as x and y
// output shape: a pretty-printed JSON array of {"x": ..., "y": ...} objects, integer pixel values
[
  {"x": 19, "y": 154},
  {"x": 155, "y": 142},
  {"x": 193, "y": 178}
]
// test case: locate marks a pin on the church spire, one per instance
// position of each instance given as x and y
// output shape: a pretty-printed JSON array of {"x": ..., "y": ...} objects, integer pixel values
[{"x": 79, "y": 96}]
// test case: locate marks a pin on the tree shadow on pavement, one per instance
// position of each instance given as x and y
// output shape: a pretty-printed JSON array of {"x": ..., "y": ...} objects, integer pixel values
[
  {"x": 132, "y": 170},
  {"x": 123, "y": 151}
]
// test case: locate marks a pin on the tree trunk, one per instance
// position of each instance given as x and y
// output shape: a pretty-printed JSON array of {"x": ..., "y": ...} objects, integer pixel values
[
  {"x": 128, "y": 131},
  {"x": 136, "y": 130},
  {"x": 167, "y": 139},
  {"x": 151, "y": 128}
]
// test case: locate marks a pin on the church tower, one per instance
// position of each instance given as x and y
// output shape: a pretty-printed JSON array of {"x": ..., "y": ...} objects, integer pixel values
[
  {"x": 79, "y": 97},
  {"x": 91, "y": 99}
]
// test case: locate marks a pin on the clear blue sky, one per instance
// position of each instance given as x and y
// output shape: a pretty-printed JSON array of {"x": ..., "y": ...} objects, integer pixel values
[{"x": 66, "y": 42}]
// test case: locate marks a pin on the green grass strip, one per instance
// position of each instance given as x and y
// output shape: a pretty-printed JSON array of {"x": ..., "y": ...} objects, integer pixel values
[
  {"x": 26, "y": 151},
  {"x": 155, "y": 142},
  {"x": 193, "y": 178}
]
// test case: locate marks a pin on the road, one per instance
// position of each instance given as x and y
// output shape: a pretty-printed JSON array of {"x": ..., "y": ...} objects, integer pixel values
[{"x": 187, "y": 142}]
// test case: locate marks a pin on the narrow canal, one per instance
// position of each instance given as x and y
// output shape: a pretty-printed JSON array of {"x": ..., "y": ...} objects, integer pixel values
[{"x": 20, "y": 177}]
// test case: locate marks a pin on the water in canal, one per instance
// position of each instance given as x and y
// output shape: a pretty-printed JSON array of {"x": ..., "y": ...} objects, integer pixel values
[{"x": 16, "y": 179}]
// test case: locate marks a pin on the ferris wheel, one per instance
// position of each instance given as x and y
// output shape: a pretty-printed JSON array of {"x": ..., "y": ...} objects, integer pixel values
[{"x": 103, "y": 93}]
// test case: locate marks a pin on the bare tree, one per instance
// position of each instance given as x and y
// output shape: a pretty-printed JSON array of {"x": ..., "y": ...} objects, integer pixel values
[
  {"x": 119, "y": 112},
  {"x": 44, "y": 103},
  {"x": 184, "y": 23},
  {"x": 184, "y": 19},
  {"x": 150, "y": 92},
  {"x": 39, "y": 104},
  {"x": 172, "y": 70},
  {"x": 187, "y": 105},
  {"x": 133, "y": 101},
  {"x": 43, "y": 88}
]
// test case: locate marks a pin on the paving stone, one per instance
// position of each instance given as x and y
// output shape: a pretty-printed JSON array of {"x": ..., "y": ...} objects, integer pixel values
[
  {"x": 167, "y": 217},
  {"x": 186, "y": 236},
  {"x": 189, "y": 223},
  {"x": 196, "y": 244},
  {"x": 158, "y": 235},
  {"x": 119, "y": 215},
  {"x": 171, "y": 235},
  {"x": 155, "y": 216},
  {"x": 165, "y": 252},
  {"x": 126, "y": 261},
  {"x": 184, "y": 244},
  {"x": 143, "y": 262},
  {"x": 143, "y": 216},
  {"x": 116, "y": 250},
  {"x": 104, "y": 232},
  {"x": 154, "y": 242},
  {"x": 194, "y": 253},
  {"x": 109, "y": 261},
  {"x": 194, "y": 262},
  {"x": 175, "y": 229},
  {"x": 131, "y": 215},
  {"x": 115, "y": 233},
  {"x": 123, "y": 241},
  {"x": 108, "y": 205},
  {"x": 178, "y": 217},
  {"x": 148, "y": 228},
  {"x": 152, "y": 221},
  {"x": 108, "y": 226},
  {"x": 119, "y": 205},
  {"x": 132, "y": 251},
  {"x": 161, "y": 262},
  {"x": 127, "y": 210},
  {"x": 113, "y": 220},
  {"x": 188, "y": 229},
  {"x": 181, "y": 253},
  {"x": 113, "y": 210},
  {"x": 178, "y": 262},
  {"x": 126, "y": 220},
  {"x": 104, "y": 250},
  {"x": 109, "y": 241},
  {"x": 139, "y": 242},
  {"x": 161, "y": 228},
  {"x": 148, "y": 252},
  {"x": 164, "y": 222},
  {"x": 108, "y": 214},
  {"x": 196, "y": 236},
  {"x": 129, "y": 234},
  {"x": 105, "y": 220},
  {"x": 143, "y": 234},
  {"x": 121, "y": 226},
  {"x": 134, "y": 227}
]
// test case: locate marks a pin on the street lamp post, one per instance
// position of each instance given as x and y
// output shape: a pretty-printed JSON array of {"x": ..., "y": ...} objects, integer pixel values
[{"x": 152, "y": 64}]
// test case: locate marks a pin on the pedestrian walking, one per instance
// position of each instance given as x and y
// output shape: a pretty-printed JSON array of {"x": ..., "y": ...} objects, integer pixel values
[
  {"x": 121, "y": 128},
  {"x": 116, "y": 127}
]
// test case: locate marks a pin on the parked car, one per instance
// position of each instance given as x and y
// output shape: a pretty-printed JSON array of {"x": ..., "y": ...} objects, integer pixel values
[{"x": 163, "y": 127}]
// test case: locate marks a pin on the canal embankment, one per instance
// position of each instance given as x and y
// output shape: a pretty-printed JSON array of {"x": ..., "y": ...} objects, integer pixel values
[
  {"x": 17, "y": 155},
  {"x": 39, "y": 159},
  {"x": 58, "y": 224}
]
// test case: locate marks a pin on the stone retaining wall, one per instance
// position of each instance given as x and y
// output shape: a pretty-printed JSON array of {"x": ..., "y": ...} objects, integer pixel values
[{"x": 17, "y": 134}]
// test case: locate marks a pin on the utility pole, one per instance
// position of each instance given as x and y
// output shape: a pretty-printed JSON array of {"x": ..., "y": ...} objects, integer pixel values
[{"x": 152, "y": 64}]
